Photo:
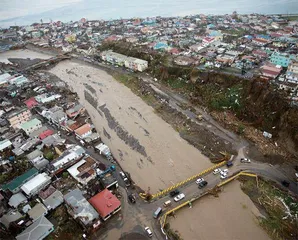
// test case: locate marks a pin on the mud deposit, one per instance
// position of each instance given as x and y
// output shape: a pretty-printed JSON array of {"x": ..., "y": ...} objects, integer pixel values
[
  {"x": 232, "y": 214},
  {"x": 147, "y": 147}
]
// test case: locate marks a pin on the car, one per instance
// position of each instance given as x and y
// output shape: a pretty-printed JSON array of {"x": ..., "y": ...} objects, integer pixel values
[
  {"x": 199, "y": 180},
  {"x": 216, "y": 171},
  {"x": 203, "y": 184},
  {"x": 125, "y": 179},
  {"x": 148, "y": 231},
  {"x": 132, "y": 198},
  {"x": 230, "y": 164},
  {"x": 179, "y": 197},
  {"x": 285, "y": 183},
  {"x": 174, "y": 193},
  {"x": 224, "y": 171},
  {"x": 223, "y": 176},
  {"x": 245, "y": 160}
]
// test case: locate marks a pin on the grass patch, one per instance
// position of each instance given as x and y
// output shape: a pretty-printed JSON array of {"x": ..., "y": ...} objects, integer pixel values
[{"x": 280, "y": 207}]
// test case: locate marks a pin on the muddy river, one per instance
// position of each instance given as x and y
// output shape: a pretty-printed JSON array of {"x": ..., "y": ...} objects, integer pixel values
[
  {"x": 233, "y": 216},
  {"x": 146, "y": 146}
]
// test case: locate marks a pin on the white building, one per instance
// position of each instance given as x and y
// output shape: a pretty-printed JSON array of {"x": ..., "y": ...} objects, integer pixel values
[
  {"x": 135, "y": 64},
  {"x": 292, "y": 73},
  {"x": 70, "y": 155},
  {"x": 36, "y": 184}
]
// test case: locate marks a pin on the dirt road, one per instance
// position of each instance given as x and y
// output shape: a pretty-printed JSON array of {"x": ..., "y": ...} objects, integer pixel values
[
  {"x": 232, "y": 217},
  {"x": 146, "y": 146}
]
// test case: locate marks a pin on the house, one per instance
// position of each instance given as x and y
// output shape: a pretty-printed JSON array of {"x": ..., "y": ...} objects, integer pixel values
[
  {"x": 17, "y": 199},
  {"x": 56, "y": 115},
  {"x": 46, "y": 97},
  {"x": 84, "y": 170},
  {"x": 75, "y": 110},
  {"x": 31, "y": 126},
  {"x": 160, "y": 46},
  {"x": 106, "y": 204},
  {"x": 281, "y": 59},
  {"x": 260, "y": 41},
  {"x": 31, "y": 103},
  {"x": 37, "y": 132},
  {"x": 15, "y": 185},
  {"x": 38, "y": 230},
  {"x": 4, "y": 79},
  {"x": 45, "y": 134},
  {"x": 10, "y": 217},
  {"x": 37, "y": 211},
  {"x": 69, "y": 157},
  {"x": 270, "y": 71},
  {"x": 292, "y": 72},
  {"x": 37, "y": 159},
  {"x": 18, "y": 117},
  {"x": 80, "y": 209},
  {"x": 51, "y": 197},
  {"x": 83, "y": 131},
  {"x": 53, "y": 140},
  {"x": 18, "y": 80},
  {"x": 184, "y": 61},
  {"x": 134, "y": 64},
  {"x": 5, "y": 144},
  {"x": 37, "y": 183}
]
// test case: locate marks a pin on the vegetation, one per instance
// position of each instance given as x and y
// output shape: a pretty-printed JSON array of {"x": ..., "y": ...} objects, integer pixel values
[
  {"x": 18, "y": 168},
  {"x": 281, "y": 209}
]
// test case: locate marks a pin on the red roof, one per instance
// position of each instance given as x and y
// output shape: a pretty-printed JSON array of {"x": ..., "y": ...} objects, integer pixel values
[
  {"x": 31, "y": 102},
  {"x": 45, "y": 134},
  {"x": 105, "y": 203}
]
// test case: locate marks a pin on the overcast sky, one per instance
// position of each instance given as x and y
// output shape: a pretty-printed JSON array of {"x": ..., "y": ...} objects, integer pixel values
[{"x": 20, "y": 8}]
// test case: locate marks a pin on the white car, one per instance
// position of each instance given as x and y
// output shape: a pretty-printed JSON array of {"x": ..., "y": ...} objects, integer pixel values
[
  {"x": 245, "y": 160},
  {"x": 225, "y": 171},
  {"x": 216, "y": 171},
  {"x": 148, "y": 231},
  {"x": 199, "y": 180},
  {"x": 179, "y": 197},
  {"x": 223, "y": 176}
]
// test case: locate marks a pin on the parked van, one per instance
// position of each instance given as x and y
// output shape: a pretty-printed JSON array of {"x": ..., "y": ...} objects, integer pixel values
[
  {"x": 157, "y": 212},
  {"x": 167, "y": 203}
]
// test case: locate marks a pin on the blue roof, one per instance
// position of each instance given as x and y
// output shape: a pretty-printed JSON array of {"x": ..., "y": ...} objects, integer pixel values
[
  {"x": 160, "y": 45},
  {"x": 264, "y": 36},
  {"x": 215, "y": 34},
  {"x": 211, "y": 26},
  {"x": 248, "y": 37}
]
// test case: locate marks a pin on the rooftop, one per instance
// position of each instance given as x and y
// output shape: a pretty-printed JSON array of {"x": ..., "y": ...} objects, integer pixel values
[
  {"x": 38, "y": 230},
  {"x": 83, "y": 129},
  {"x": 80, "y": 206},
  {"x": 105, "y": 203},
  {"x": 20, "y": 180},
  {"x": 30, "y": 124}
]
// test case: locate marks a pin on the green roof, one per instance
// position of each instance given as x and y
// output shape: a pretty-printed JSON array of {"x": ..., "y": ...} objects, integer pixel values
[
  {"x": 20, "y": 180},
  {"x": 29, "y": 124}
]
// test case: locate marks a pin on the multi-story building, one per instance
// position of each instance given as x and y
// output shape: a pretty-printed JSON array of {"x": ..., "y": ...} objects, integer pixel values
[
  {"x": 31, "y": 126},
  {"x": 122, "y": 60},
  {"x": 281, "y": 59},
  {"x": 18, "y": 117},
  {"x": 292, "y": 73}
]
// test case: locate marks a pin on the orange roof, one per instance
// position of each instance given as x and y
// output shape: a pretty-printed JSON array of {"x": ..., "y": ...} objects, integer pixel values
[
  {"x": 83, "y": 129},
  {"x": 105, "y": 203}
]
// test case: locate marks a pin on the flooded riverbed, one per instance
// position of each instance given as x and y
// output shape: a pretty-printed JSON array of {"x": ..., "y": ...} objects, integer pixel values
[
  {"x": 233, "y": 216},
  {"x": 22, "y": 53},
  {"x": 146, "y": 146}
]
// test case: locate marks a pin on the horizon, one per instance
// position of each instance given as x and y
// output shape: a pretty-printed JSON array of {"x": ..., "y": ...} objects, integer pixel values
[{"x": 29, "y": 12}]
